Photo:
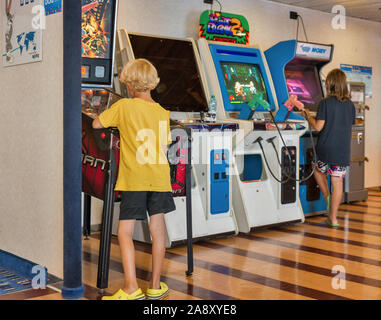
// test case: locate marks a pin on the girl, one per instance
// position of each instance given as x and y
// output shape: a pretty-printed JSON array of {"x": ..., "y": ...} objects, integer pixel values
[{"x": 334, "y": 120}]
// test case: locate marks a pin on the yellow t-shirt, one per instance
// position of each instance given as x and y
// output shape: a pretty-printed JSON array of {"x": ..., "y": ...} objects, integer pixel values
[{"x": 144, "y": 129}]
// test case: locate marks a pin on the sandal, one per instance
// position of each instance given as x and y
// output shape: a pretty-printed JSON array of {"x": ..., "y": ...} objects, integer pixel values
[
  {"x": 330, "y": 224},
  {"x": 121, "y": 295},
  {"x": 157, "y": 294}
]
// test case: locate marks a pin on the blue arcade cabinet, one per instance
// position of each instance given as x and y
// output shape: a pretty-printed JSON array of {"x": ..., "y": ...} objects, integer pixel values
[{"x": 295, "y": 68}]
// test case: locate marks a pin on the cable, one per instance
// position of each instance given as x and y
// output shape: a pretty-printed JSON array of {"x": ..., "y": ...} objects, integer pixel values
[
  {"x": 220, "y": 5},
  {"x": 304, "y": 29},
  {"x": 259, "y": 141},
  {"x": 285, "y": 173},
  {"x": 280, "y": 134},
  {"x": 288, "y": 151}
]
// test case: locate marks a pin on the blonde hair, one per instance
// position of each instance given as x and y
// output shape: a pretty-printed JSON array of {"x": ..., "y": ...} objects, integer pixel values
[
  {"x": 337, "y": 86},
  {"x": 140, "y": 74}
]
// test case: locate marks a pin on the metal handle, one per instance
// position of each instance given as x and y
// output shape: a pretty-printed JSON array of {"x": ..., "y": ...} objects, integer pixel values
[
  {"x": 361, "y": 159},
  {"x": 359, "y": 137}
]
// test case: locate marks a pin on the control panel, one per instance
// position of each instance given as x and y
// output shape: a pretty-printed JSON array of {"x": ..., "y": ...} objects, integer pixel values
[
  {"x": 219, "y": 181},
  {"x": 288, "y": 189}
]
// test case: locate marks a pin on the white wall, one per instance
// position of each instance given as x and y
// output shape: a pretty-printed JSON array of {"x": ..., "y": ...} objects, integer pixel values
[
  {"x": 31, "y": 157},
  {"x": 359, "y": 44}
]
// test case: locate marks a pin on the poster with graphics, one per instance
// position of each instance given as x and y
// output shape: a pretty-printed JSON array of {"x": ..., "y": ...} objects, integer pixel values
[
  {"x": 359, "y": 74},
  {"x": 23, "y": 22},
  {"x": 225, "y": 27}
]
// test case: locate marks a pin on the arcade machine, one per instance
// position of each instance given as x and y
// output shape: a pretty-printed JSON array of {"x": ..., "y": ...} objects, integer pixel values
[
  {"x": 181, "y": 90},
  {"x": 295, "y": 69},
  {"x": 265, "y": 154},
  {"x": 100, "y": 148},
  {"x": 354, "y": 184}
]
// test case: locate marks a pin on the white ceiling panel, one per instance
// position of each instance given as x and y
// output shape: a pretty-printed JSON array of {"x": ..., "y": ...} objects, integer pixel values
[{"x": 363, "y": 9}]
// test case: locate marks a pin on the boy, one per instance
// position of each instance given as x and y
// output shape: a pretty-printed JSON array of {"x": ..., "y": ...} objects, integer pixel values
[
  {"x": 144, "y": 174},
  {"x": 334, "y": 120}
]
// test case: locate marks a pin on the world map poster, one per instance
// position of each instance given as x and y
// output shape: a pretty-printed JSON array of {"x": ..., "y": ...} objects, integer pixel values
[{"x": 22, "y": 31}]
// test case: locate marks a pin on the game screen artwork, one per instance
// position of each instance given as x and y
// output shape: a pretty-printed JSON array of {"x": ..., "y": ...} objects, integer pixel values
[
  {"x": 97, "y": 28},
  {"x": 243, "y": 81},
  {"x": 303, "y": 82}
]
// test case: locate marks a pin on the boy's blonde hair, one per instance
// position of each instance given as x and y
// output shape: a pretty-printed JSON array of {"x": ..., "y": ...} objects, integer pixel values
[{"x": 140, "y": 74}]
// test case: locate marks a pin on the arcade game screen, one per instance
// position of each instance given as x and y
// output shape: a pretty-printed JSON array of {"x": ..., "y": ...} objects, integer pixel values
[
  {"x": 243, "y": 81},
  {"x": 180, "y": 87},
  {"x": 97, "y": 28},
  {"x": 304, "y": 82}
]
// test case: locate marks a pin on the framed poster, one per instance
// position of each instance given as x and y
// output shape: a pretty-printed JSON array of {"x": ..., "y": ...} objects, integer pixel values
[
  {"x": 23, "y": 21},
  {"x": 359, "y": 74}
]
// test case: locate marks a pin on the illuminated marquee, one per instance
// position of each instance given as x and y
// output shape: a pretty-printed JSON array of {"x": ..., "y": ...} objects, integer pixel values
[{"x": 225, "y": 27}]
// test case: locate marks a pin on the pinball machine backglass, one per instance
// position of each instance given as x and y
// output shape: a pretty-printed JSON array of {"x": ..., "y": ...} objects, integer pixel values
[{"x": 98, "y": 41}]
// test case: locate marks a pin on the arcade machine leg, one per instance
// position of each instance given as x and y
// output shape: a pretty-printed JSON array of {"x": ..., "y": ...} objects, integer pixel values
[
  {"x": 86, "y": 216},
  {"x": 105, "y": 242},
  {"x": 188, "y": 188}
]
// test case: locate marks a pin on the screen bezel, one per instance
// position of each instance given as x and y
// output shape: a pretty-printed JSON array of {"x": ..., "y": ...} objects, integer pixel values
[
  {"x": 197, "y": 66},
  {"x": 299, "y": 62},
  {"x": 223, "y": 53}
]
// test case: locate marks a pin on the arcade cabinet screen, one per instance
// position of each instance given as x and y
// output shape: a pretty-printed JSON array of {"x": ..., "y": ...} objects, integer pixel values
[
  {"x": 243, "y": 81},
  {"x": 97, "y": 28},
  {"x": 304, "y": 82},
  {"x": 180, "y": 87}
]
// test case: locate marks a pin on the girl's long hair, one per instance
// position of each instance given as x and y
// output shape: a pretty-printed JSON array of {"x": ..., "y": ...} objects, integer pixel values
[{"x": 337, "y": 86}]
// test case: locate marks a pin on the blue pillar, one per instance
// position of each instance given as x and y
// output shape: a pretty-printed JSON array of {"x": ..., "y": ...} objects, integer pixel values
[{"x": 72, "y": 287}]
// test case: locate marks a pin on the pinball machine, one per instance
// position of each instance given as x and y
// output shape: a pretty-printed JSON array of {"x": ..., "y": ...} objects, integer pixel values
[{"x": 100, "y": 148}]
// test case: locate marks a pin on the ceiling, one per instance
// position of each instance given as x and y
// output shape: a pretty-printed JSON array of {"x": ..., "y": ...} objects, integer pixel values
[{"x": 363, "y": 9}]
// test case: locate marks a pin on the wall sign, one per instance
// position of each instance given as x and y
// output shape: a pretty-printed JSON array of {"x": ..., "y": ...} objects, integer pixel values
[
  {"x": 225, "y": 27},
  {"x": 359, "y": 74},
  {"x": 23, "y": 21},
  {"x": 53, "y": 6}
]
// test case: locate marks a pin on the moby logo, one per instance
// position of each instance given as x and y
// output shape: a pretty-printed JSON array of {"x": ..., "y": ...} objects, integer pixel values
[{"x": 319, "y": 50}]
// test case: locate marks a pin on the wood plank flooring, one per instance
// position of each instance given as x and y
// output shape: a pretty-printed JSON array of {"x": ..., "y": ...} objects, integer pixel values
[{"x": 292, "y": 262}]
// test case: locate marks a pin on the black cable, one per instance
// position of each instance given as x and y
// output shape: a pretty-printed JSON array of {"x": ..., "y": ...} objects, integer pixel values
[
  {"x": 259, "y": 141},
  {"x": 271, "y": 140},
  {"x": 288, "y": 151},
  {"x": 304, "y": 28},
  {"x": 220, "y": 5},
  {"x": 285, "y": 173},
  {"x": 280, "y": 134}
]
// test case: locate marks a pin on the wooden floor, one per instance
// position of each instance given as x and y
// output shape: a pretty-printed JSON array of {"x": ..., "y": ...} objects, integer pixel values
[{"x": 292, "y": 262}]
